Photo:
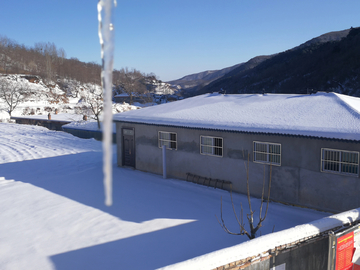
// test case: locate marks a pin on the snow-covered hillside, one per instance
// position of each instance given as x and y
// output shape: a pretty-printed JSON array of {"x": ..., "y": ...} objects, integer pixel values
[
  {"x": 66, "y": 97},
  {"x": 53, "y": 214},
  {"x": 162, "y": 88}
]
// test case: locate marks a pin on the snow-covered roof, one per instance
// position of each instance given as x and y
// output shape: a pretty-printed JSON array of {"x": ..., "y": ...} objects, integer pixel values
[
  {"x": 328, "y": 115},
  {"x": 122, "y": 95}
]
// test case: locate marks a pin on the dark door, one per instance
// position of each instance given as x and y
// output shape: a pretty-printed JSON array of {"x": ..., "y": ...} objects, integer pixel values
[{"x": 128, "y": 148}]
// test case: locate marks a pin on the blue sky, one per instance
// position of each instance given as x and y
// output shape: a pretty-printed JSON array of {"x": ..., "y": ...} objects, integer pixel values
[{"x": 174, "y": 38}]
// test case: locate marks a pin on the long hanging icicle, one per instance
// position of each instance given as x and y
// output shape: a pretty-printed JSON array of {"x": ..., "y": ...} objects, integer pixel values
[{"x": 107, "y": 54}]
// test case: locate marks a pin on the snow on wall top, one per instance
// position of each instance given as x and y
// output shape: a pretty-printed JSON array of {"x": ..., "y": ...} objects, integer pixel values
[
  {"x": 57, "y": 117},
  {"x": 327, "y": 115},
  {"x": 267, "y": 242}
]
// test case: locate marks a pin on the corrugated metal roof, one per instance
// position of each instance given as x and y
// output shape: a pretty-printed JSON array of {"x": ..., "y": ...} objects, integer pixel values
[{"x": 322, "y": 115}]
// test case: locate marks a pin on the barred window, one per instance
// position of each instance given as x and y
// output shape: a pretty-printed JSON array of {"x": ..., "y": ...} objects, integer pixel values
[
  {"x": 168, "y": 139},
  {"x": 269, "y": 153},
  {"x": 212, "y": 146},
  {"x": 339, "y": 161}
]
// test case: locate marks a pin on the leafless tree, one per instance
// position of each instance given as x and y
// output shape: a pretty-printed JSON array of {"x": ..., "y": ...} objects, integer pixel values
[
  {"x": 250, "y": 217},
  {"x": 6, "y": 51},
  {"x": 13, "y": 93},
  {"x": 49, "y": 62},
  {"x": 92, "y": 104},
  {"x": 131, "y": 82},
  {"x": 46, "y": 60},
  {"x": 60, "y": 62}
]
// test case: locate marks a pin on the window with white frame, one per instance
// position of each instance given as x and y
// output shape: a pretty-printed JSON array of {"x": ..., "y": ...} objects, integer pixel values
[
  {"x": 269, "y": 153},
  {"x": 212, "y": 146},
  {"x": 338, "y": 161},
  {"x": 168, "y": 139}
]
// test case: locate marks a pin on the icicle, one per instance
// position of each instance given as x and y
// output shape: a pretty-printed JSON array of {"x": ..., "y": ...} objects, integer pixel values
[{"x": 107, "y": 48}]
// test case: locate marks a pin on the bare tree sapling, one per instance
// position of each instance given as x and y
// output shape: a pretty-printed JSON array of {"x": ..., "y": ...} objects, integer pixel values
[{"x": 251, "y": 234}]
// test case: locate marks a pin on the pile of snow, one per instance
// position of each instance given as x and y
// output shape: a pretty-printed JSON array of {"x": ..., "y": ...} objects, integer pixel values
[
  {"x": 327, "y": 115},
  {"x": 53, "y": 214},
  {"x": 124, "y": 107}
]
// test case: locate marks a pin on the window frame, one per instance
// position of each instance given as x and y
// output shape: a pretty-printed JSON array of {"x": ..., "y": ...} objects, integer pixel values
[
  {"x": 213, "y": 146},
  {"x": 166, "y": 140},
  {"x": 339, "y": 162},
  {"x": 267, "y": 153}
]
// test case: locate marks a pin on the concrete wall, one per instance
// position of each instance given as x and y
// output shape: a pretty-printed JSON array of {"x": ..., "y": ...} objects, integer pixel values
[
  {"x": 50, "y": 124},
  {"x": 309, "y": 255},
  {"x": 297, "y": 181},
  {"x": 315, "y": 252},
  {"x": 87, "y": 134}
]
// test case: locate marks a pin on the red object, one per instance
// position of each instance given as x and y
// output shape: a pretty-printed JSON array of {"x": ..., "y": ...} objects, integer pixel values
[{"x": 344, "y": 252}]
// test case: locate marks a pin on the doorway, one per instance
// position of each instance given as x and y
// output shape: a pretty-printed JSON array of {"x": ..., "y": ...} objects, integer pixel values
[{"x": 128, "y": 142}]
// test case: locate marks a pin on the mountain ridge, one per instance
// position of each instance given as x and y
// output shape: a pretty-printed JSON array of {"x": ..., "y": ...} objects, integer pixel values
[
  {"x": 202, "y": 82},
  {"x": 191, "y": 82},
  {"x": 313, "y": 66}
]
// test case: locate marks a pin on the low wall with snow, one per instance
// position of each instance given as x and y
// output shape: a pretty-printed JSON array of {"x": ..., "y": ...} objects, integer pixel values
[
  {"x": 50, "y": 124},
  {"x": 86, "y": 134},
  {"x": 263, "y": 252}
]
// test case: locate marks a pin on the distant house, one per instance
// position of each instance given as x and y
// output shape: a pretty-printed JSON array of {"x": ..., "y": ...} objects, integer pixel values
[
  {"x": 160, "y": 99},
  {"x": 123, "y": 97},
  {"x": 140, "y": 98},
  {"x": 311, "y": 141}
]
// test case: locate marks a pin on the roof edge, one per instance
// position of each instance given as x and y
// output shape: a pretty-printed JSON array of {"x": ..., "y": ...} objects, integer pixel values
[{"x": 243, "y": 132}]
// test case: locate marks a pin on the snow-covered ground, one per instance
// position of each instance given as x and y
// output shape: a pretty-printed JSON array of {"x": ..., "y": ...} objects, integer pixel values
[{"x": 53, "y": 216}]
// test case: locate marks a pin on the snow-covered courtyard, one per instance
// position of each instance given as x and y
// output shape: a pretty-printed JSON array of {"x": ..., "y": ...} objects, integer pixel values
[{"x": 53, "y": 216}]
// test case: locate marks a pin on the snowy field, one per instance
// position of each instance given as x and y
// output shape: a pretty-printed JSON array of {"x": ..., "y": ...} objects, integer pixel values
[{"x": 52, "y": 215}]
